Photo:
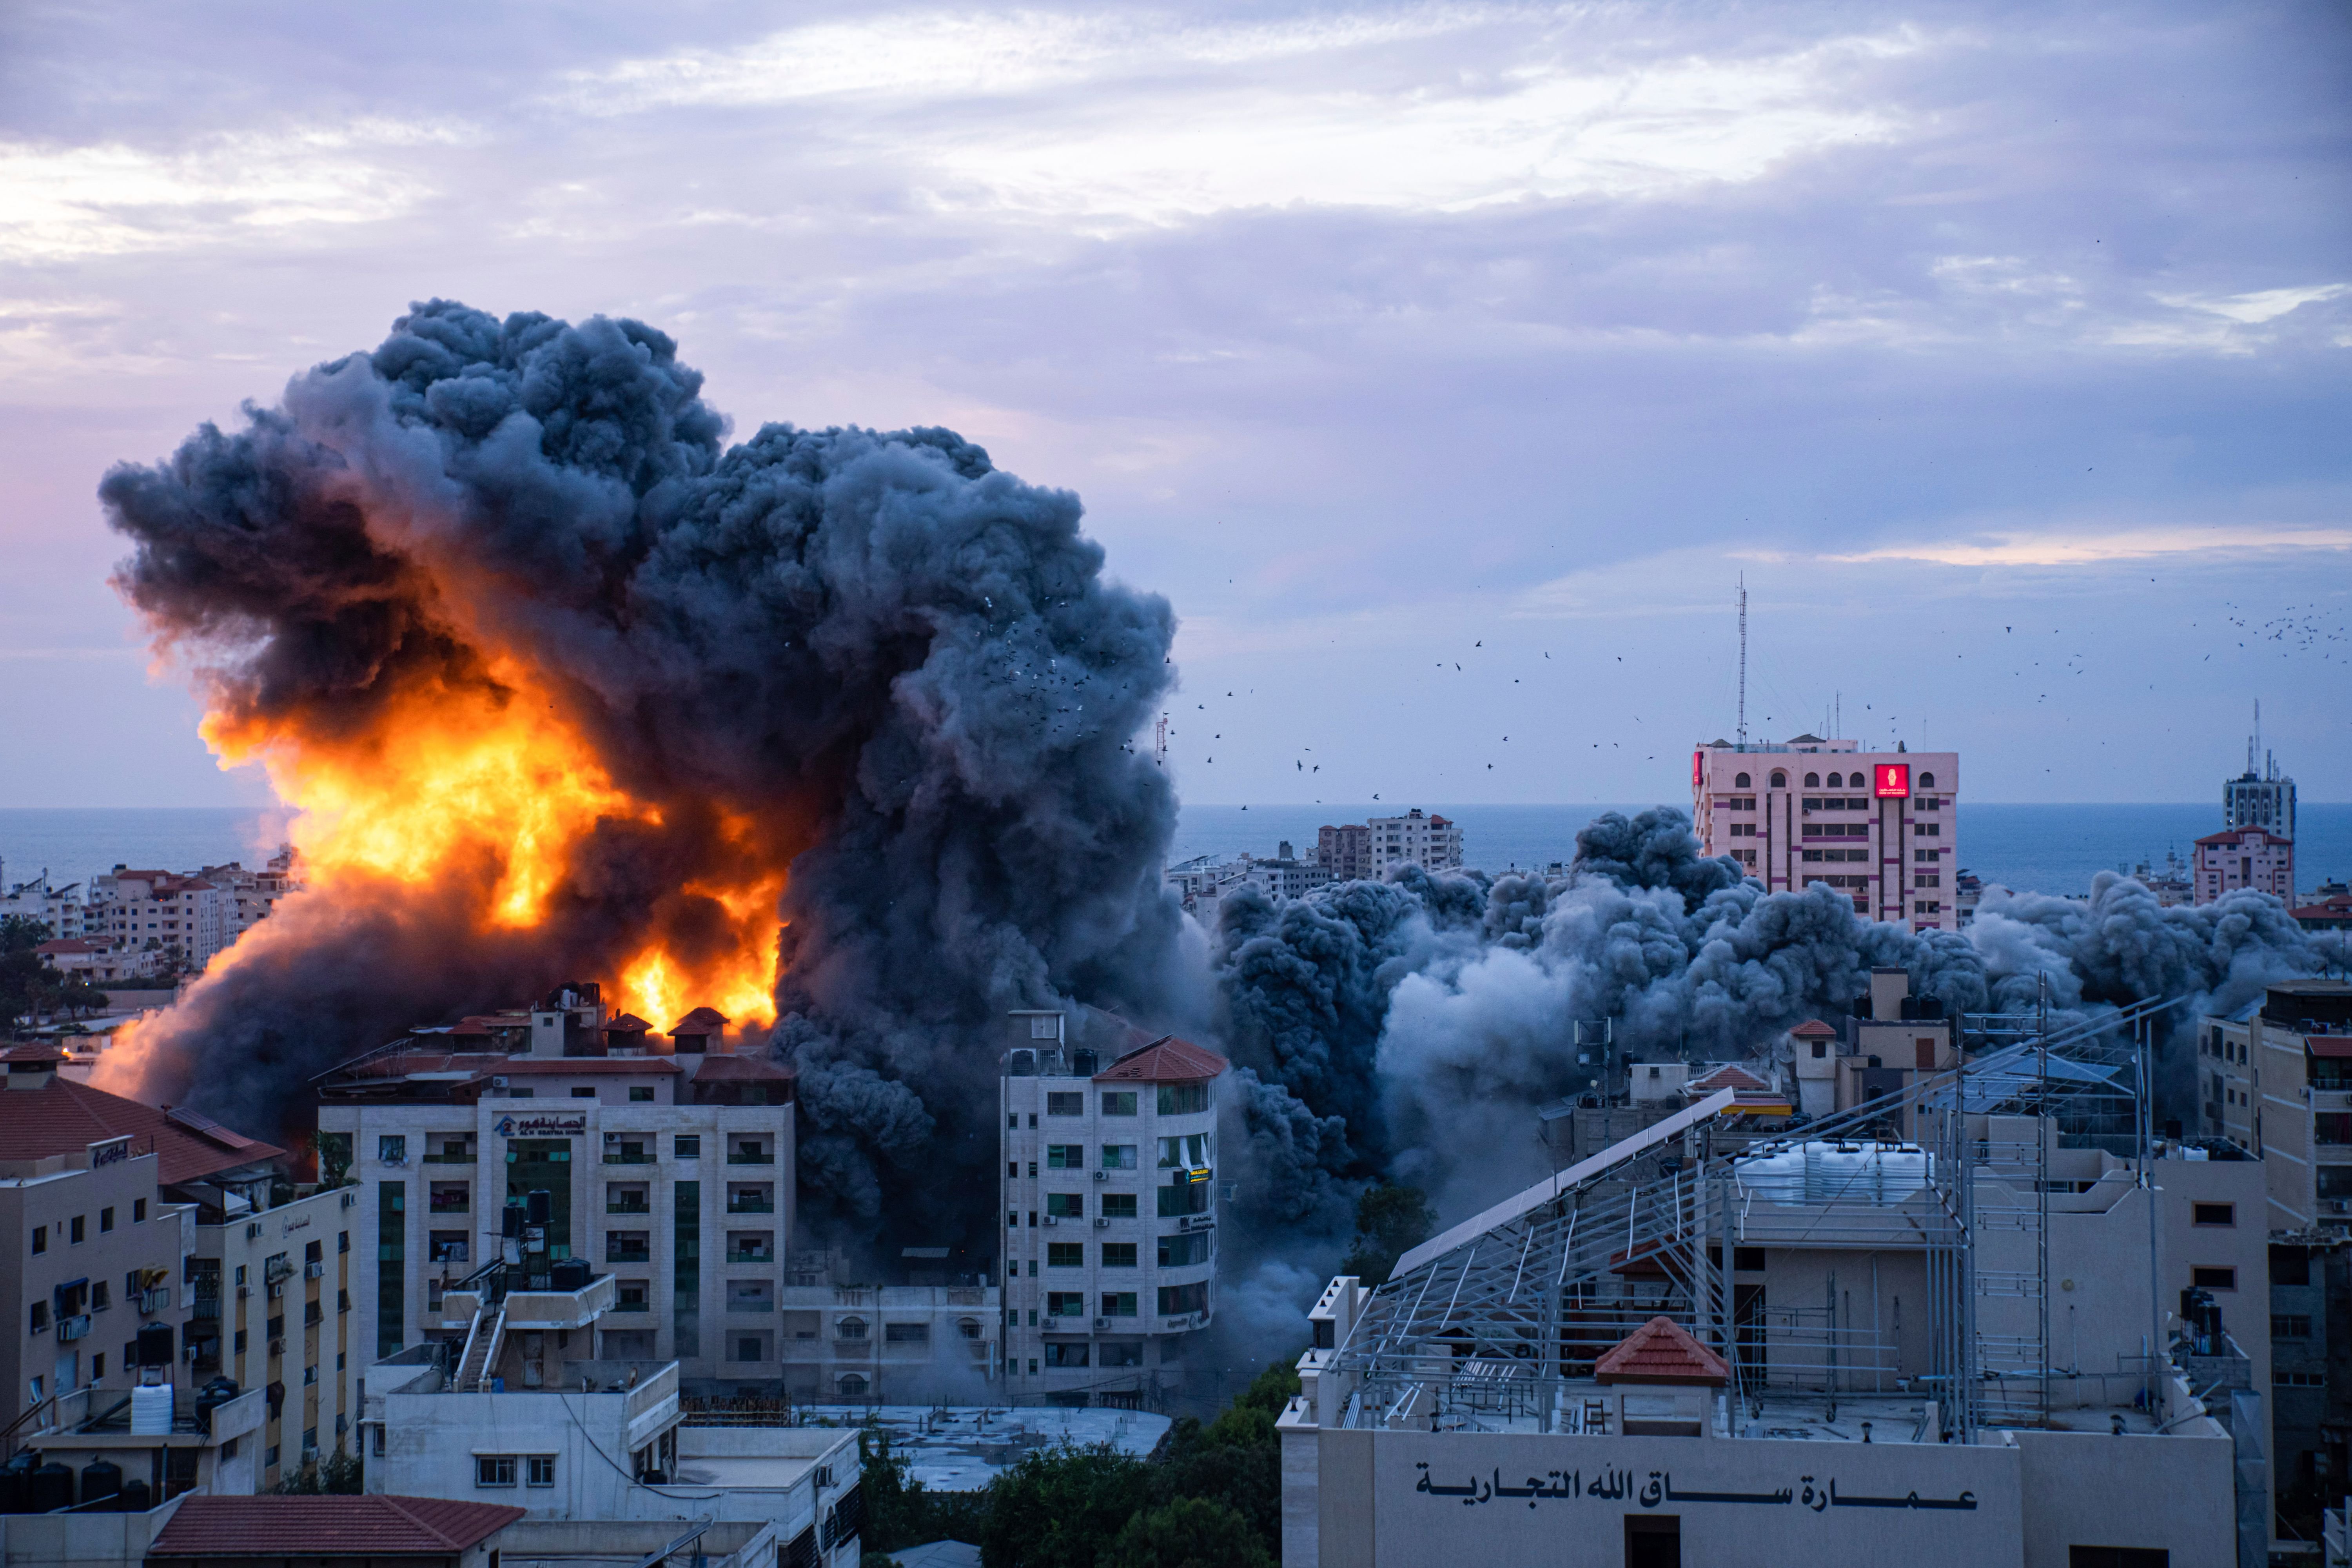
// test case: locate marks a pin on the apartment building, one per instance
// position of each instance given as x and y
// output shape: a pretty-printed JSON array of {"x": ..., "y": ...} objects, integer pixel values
[
  {"x": 2238, "y": 857},
  {"x": 1345, "y": 851},
  {"x": 1110, "y": 1213},
  {"x": 64, "y": 910},
  {"x": 2274, "y": 1077},
  {"x": 1882, "y": 827},
  {"x": 182, "y": 921},
  {"x": 1428, "y": 840},
  {"x": 887, "y": 1345},
  {"x": 559, "y": 1139},
  {"x": 159, "y": 1247}
]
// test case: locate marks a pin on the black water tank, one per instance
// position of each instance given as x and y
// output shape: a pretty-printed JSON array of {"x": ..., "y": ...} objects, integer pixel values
[
  {"x": 510, "y": 1220},
  {"x": 1861, "y": 1006},
  {"x": 1083, "y": 1062},
  {"x": 1908, "y": 1009},
  {"x": 51, "y": 1488},
  {"x": 541, "y": 1208},
  {"x": 16, "y": 1481},
  {"x": 154, "y": 1345},
  {"x": 102, "y": 1481},
  {"x": 137, "y": 1496},
  {"x": 211, "y": 1397},
  {"x": 571, "y": 1274}
]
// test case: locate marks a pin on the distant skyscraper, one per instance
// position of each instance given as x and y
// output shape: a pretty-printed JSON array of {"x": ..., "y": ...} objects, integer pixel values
[
  {"x": 2255, "y": 848},
  {"x": 1882, "y": 827}
]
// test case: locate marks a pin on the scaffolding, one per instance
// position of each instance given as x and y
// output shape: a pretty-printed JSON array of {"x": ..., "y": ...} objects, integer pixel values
[{"x": 1499, "y": 1320}]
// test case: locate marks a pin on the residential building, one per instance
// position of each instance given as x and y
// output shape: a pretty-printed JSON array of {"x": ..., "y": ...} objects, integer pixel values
[
  {"x": 2239, "y": 857},
  {"x": 2263, "y": 797},
  {"x": 2274, "y": 1078},
  {"x": 887, "y": 1344},
  {"x": 2329, "y": 908},
  {"x": 1429, "y": 841},
  {"x": 182, "y": 921},
  {"x": 93, "y": 961},
  {"x": 1202, "y": 883},
  {"x": 667, "y": 1174},
  {"x": 64, "y": 910},
  {"x": 2173, "y": 883},
  {"x": 115, "y": 1215},
  {"x": 1285, "y": 876},
  {"x": 336, "y": 1532},
  {"x": 1882, "y": 827},
  {"x": 532, "y": 1415},
  {"x": 248, "y": 897},
  {"x": 2311, "y": 1356},
  {"x": 1109, "y": 1198},
  {"x": 1345, "y": 851}
]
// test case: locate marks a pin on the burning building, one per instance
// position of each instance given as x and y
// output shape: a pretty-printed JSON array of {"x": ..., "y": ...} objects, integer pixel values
[{"x": 830, "y": 729}]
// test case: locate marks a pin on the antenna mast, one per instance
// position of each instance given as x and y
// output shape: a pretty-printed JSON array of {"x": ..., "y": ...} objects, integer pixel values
[
  {"x": 1743, "y": 661},
  {"x": 1159, "y": 741}
]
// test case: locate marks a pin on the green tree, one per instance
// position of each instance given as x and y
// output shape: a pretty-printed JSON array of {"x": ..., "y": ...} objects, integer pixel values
[
  {"x": 22, "y": 933},
  {"x": 1061, "y": 1507},
  {"x": 1389, "y": 1222},
  {"x": 1190, "y": 1532},
  {"x": 902, "y": 1512}
]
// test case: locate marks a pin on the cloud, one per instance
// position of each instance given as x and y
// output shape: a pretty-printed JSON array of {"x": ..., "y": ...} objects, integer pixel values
[{"x": 2068, "y": 549}]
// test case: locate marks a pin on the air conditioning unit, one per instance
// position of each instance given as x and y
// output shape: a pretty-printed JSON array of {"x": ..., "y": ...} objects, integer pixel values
[
  {"x": 499, "y": 1083},
  {"x": 277, "y": 1347},
  {"x": 253, "y": 1231},
  {"x": 276, "y": 1288},
  {"x": 314, "y": 1270},
  {"x": 1053, "y": 1219},
  {"x": 351, "y": 1199},
  {"x": 1102, "y": 1176},
  {"x": 1102, "y": 1323}
]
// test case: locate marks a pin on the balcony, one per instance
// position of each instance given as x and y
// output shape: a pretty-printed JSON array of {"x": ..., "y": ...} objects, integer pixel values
[
  {"x": 750, "y": 1205},
  {"x": 629, "y": 1205},
  {"x": 618, "y": 1251},
  {"x": 629, "y": 1154},
  {"x": 561, "y": 1308},
  {"x": 751, "y": 1255},
  {"x": 73, "y": 1328},
  {"x": 742, "y": 1156}
]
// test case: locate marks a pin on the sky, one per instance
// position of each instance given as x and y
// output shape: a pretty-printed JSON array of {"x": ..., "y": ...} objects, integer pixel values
[{"x": 1449, "y": 368}]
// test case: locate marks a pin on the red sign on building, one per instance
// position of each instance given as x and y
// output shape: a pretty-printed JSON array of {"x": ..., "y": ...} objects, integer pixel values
[
  {"x": 1697, "y": 768},
  {"x": 1894, "y": 781}
]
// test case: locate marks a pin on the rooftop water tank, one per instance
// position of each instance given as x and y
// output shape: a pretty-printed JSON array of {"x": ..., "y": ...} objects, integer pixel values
[
  {"x": 1822, "y": 1172},
  {"x": 101, "y": 1481},
  {"x": 151, "y": 1410}
]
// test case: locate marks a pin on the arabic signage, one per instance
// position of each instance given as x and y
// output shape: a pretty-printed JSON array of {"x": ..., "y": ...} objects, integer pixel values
[
  {"x": 541, "y": 1126},
  {"x": 1892, "y": 780},
  {"x": 109, "y": 1152},
  {"x": 1659, "y": 1490}
]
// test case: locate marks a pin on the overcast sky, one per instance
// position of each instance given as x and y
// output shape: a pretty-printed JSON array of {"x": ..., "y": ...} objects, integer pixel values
[{"x": 1446, "y": 366}]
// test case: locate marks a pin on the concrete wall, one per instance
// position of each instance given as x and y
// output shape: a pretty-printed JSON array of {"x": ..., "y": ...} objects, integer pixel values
[
  {"x": 80, "y": 1540},
  {"x": 2171, "y": 1493}
]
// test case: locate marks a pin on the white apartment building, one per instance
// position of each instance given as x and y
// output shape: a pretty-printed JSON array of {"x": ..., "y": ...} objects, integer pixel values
[
  {"x": 1110, "y": 1213},
  {"x": 1429, "y": 841},
  {"x": 889, "y": 1344},
  {"x": 2274, "y": 1077},
  {"x": 64, "y": 910},
  {"x": 668, "y": 1175},
  {"x": 160, "y": 912},
  {"x": 1882, "y": 827}
]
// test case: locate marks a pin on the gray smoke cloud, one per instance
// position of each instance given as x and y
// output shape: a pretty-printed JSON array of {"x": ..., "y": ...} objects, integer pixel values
[
  {"x": 903, "y": 669},
  {"x": 1414, "y": 1025}
]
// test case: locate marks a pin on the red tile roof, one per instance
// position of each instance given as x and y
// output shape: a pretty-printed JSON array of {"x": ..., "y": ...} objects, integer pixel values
[
  {"x": 2239, "y": 834},
  {"x": 626, "y": 1024},
  {"x": 64, "y": 1117},
  {"x": 701, "y": 1020},
  {"x": 1813, "y": 1029},
  {"x": 330, "y": 1526},
  {"x": 487, "y": 1065},
  {"x": 1661, "y": 1350},
  {"x": 1730, "y": 1075},
  {"x": 1166, "y": 1061},
  {"x": 63, "y": 945}
]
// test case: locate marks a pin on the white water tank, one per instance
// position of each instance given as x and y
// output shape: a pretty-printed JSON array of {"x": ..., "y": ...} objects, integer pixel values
[
  {"x": 151, "y": 1410},
  {"x": 1823, "y": 1172}
]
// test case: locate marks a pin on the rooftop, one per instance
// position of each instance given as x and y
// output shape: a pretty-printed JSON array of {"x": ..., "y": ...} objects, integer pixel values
[
  {"x": 1661, "y": 1350},
  {"x": 245, "y": 1528},
  {"x": 1165, "y": 1060},
  {"x": 64, "y": 1117},
  {"x": 962, "y": 1448}
]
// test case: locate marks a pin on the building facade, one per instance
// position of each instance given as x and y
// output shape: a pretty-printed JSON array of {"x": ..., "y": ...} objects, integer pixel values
[
  {"x": 2275, "y": 1079},
  {"x": 1109, "y": 1198},
  {"x": 1882, "y": 827},
  {"x": 670, "y": 1173},
  {"x": 1431, "y": 842},
  {"x": 1345, "y": 851},
  {"x": 182, "y": 922},
  {"x": 2239, "y": 857}
]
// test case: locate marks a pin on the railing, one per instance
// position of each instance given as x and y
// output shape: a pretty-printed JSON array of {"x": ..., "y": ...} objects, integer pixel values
[
  {"x": 638, "y": 1207},
  {"x": 750, "y": 1157},
  {"x": 750, "y": 1205},
  {"x": 626, "y": 1158},
  {"x": 635, "y": 1254},
  {"x": 751, "y": 1255},
  {"x": 73, "y": 1328}
]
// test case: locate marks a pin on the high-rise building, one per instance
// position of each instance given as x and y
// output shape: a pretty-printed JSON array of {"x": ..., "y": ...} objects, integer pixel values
[
  {"x": 1882, "y": 827},
  {"x": 2255, "y": 848},
  {"x": 1345, "y": 851},
  {"x": 655, "y": 1191},
  {"x": 1110, "y": 1212},
  {"x": 1429, "y": 841}
]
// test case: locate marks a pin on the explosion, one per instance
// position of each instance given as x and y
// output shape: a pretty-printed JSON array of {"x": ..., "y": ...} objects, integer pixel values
[{"x": 831, "y": 731}]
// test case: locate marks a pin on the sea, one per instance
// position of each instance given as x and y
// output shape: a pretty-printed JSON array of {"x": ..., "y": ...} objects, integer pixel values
[{"x": 2038, "y": 848}]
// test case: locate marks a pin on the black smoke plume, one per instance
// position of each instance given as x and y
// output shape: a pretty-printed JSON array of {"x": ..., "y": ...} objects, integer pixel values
[{"x": 902, "y": 668}]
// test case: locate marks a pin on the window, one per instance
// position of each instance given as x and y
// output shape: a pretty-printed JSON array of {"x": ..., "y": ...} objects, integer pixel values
[
  {"x": 2291, "y": 1265},
  {"x": 1741, "y": 782},
  {"x": 688, "y": 1146},
  {"x": 1065, "y": 1104},
  {"x": 1066, "y": 1303},
  {"x": 138, "y": 1211},
  {"x": 1128, "y": 1352},
  {"x": 449, "y": 1245},
  {"x": 1175, "y": 1300},
  {"x": 1065, "y": 1355},
  {"x": 853, "y": 1385},
  {"x": 1118, "y": 1103},
  {"x": 1182, "y": 1099},
  {"x": 905, "y": 1333},
  {"x": 40, "y": 1239},
  {"x": 580, "y": 1093},
  {"x": 1118, "y": 1156},
  {"x": 1118, "y": 1255},
  {"x": 1926, "y": 781},
  {"x": 1119, "y": 1304},
  {"x": 2214, "y": 1279},
  {"x": 1065, "y": 1205},
  {"x": 1065, "y": 1156},
  {"x": 1012, "y": 1170},
  {"x": 1177, "y": 1251},
  {"x": 640, "y": 1094},
  {"x": 1065, "y": 1255},
  {"x": 40, "y": 1316},
  {"x": 747, "y": 1348},
  {"x": 105, "y": 1221},
  {"x": 74, "y": 1229},
  {"x": 494, "y": 1469},
  {"x": 2213, "y": 1213},
  {"x": 1189, "y": 1152},
  {"x": 1779, "y": 780},
  {"x": 1820, "y": 1050},
  {"x": 1118, "y": 1205},
  {"x": 631, "y": 1296},
  {"x": 392, "y": 1149},
  {"x": 628, "y": 1246},
  {"x": 1813, "y": 781},
  {"x": 542, "y": 1469},
  {"x": 2289, "y": 1325}
]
